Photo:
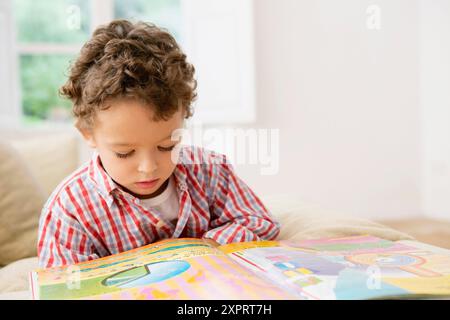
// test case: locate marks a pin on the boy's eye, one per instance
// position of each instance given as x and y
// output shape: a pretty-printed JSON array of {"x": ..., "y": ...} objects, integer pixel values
[
  {"x": 124, "y": 155},
  {"x": 164, "y": 149}
]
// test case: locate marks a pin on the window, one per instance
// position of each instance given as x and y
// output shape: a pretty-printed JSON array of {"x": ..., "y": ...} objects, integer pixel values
[
  {"x": 48, "y": 34},
  {"x": 216, "y": 35}
]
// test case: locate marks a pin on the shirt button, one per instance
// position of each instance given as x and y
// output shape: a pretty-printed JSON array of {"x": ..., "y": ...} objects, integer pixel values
[{"x": 182, "y": 186}]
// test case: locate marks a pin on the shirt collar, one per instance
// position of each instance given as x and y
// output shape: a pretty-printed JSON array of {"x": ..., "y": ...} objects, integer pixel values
[{"x": 101, "y": 179}]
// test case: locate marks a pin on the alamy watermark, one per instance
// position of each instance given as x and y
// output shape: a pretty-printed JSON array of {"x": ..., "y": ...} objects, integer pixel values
[
  {"x": 374, "y": 277},
  {"x": 241, "y": 146},
  {"x": 373, "y": 17},
  {"x": 73, "y": 20},
  {"x": 73, "y": 279}
]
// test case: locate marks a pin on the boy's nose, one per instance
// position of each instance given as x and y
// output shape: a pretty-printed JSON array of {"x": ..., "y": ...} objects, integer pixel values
[{"x": 147, "y": 166}]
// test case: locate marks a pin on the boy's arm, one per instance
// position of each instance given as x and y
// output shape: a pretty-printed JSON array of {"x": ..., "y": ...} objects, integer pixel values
[
  {"x": 62, "y": 240},
  {"x": 238, "y": 215}
]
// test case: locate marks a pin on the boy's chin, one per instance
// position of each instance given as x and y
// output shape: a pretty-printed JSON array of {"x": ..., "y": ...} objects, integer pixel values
[{"x": 139, "y": 193}]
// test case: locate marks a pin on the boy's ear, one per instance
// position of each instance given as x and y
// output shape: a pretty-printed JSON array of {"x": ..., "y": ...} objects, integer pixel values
[{"x": 88, "y": 136}]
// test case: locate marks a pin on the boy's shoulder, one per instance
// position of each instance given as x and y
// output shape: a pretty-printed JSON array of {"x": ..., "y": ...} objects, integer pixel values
[{"x": 68, "y": 186}]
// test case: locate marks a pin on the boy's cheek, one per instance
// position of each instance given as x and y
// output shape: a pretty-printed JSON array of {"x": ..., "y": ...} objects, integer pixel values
[{"x": 116, "y": 168}]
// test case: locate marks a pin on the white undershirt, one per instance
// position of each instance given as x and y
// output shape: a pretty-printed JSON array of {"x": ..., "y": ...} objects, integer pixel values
[{"x": 166, "y": 203}]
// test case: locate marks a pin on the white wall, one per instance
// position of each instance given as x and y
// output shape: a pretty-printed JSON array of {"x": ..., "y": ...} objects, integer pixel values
[
  {"x": 435, "y": 103},
  {"x": 346, "y": 100}
]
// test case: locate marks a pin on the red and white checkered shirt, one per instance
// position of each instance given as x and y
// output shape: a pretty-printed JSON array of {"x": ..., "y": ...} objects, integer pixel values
[{"x": 88, "y": 216}]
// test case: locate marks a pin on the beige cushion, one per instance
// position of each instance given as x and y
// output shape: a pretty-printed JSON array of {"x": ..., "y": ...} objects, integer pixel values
[
  {"x": 16, "y": 295},
  {"x": 301, "y": 220},
  {"x": 51, "y": 157},
  {"x": 14, "y": 277},
  {"x": 21, "y": 201},
  {"x": 433, "y": 231}
]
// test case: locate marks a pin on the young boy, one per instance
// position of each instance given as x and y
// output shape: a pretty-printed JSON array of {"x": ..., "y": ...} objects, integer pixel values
[{"x": 131, "y": 89}]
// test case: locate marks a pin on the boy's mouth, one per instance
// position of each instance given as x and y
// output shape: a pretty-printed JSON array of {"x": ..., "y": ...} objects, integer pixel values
[{"x": 147, "y": 184}]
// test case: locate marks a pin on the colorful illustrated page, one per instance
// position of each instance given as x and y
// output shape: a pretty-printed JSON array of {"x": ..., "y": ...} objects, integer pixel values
[
  {"x": 170, "y": 269},
  {"x": 357, "y": 267}
]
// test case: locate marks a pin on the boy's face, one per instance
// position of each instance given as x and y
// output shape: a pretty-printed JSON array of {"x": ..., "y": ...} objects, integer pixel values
[{"x": 135, "y": 150}]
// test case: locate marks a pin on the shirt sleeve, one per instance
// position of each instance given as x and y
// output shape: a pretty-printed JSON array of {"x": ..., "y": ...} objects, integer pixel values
[
  {"x": 61, "y": 239},
  {"x": 237, "y": 214}
]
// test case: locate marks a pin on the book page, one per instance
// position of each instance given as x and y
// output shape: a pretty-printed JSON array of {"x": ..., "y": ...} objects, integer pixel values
[
  {"x": 185, "y": 268},
  {"x": 357, "y": 267}
]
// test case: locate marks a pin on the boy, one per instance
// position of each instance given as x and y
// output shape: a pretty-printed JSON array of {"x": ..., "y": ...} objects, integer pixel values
[{"x": 131, "y": 89}]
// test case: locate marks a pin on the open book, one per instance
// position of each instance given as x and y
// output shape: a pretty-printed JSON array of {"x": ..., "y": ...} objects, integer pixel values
[{"x": 357, "y": 267}]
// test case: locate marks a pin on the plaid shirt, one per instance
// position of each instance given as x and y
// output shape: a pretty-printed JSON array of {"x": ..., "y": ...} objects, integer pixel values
[{"x": 88, "y": 216}]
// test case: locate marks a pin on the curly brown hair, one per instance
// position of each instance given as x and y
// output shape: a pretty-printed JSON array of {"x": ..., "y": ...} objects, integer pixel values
[{"x": 126, "y": 60}]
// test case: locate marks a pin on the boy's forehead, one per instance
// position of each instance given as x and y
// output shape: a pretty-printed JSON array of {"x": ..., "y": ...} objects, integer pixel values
[
  {"x": 132, "y": 123},
  {"x": 124, "y": 139}
]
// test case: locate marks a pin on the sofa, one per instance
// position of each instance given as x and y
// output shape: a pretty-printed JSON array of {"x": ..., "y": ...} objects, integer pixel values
[{"x": 33, "y": 162}]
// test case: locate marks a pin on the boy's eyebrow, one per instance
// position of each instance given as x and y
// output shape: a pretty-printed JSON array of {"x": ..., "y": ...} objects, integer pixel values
[{"x": 124, "y": 144}]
